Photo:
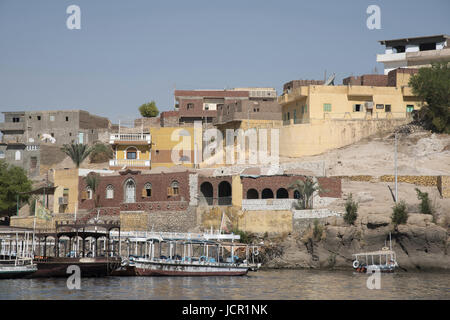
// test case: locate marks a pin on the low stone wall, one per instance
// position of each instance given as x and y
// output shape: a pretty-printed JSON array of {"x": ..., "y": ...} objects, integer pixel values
[
  {"x": 161, "y": 221},
  {"x": 427, "y": 181},
  {"x": 443, "y": 184},
  {"x": 267, "y": 204},
  {"x": 28, "y": 222},
  {"x": 302, "y": 220},
  {"x": 155, "y": 206},
  {"x": 275, "y": 222}
]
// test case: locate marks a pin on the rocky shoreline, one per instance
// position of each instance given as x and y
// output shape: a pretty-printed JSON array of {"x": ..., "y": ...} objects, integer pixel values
[{"x": 420, "y": 245}]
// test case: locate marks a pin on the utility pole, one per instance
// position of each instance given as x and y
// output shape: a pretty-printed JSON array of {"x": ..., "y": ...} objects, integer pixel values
[{"x": 396, "y": 170}]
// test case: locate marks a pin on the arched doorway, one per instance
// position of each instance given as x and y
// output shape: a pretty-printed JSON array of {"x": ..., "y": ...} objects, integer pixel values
[
  {"x": 267, "y": 194},
  {"x": 130, "y": 191},
  {"x": 224, "y": 193},
  {"x": 207, "y": 192},
  {"x": 282, "y": 193},
  {"x": 252, "y": 194}
]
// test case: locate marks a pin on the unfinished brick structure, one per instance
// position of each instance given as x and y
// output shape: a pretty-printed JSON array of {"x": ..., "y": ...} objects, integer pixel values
[{"x": 267, "y": 187}]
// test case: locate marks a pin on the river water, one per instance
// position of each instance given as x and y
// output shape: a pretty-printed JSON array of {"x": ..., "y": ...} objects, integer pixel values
[{"x": 264, "y": 284}]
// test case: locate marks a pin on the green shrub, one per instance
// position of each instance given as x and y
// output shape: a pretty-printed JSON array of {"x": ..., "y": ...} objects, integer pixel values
[
  {"x": 246, "y": 237},
  {"x": 351, "y": 210},
  {"x": 426, "y": 206},
  {"x": 318, "y": 230},
  {"x": 149, "y": 110},
  {"x": 399, "y": 214}
]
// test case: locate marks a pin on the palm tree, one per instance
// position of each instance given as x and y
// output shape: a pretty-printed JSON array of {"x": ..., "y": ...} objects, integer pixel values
[
  {"x": 77, "y": 152},
  {"x": 306, "y": 190},
  {"x": 92, "y": 180}
]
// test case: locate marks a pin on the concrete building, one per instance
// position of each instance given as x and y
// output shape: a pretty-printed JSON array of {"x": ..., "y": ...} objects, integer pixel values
[
  {"x": 317, "y": 118},
  {"x": 414, "y": 52},
  {"x": 58, "y": 126},
  {"x": 24, "y": 155},
  {"x": 203, "y": 105}
]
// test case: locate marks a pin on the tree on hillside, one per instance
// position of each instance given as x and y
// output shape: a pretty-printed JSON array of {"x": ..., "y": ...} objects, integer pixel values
[
  {"x": 92, "y": 181},
  {"x": 13, "y": 180},
  {"x": 306, "y": 191},
  {"x": 77, "y": 152},
  {"x": 101, "y": 153},
  {"x": 432, "y": 85},
  {"x": 149, "y": 110}
]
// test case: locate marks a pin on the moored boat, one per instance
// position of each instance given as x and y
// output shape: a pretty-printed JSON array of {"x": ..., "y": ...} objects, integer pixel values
[
  {"x": 209, "y": 261},
  {"x": 384, "y": 260},
  {"x": 16, "y": 268}
]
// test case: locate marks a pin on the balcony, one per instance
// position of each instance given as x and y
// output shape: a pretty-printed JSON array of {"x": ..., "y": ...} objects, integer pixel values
[
  {"x": 12, "y": 126},
  {"x": 391, "y": 57},
  {"x": 127, "y": 138},
  {"x": 129, "y": 163}
]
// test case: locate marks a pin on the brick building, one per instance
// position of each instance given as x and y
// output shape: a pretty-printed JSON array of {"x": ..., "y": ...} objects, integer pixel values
[{"x": 135, "y": 191}]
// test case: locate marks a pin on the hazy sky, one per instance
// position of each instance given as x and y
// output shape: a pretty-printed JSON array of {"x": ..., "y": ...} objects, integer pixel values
[{"x": 130, "y": 52}]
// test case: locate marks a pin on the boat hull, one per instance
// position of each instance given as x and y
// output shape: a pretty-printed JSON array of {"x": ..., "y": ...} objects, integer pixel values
[
  {"x": 155, "y": 268},
  {"x": 89, "y": 267},
  {"x": 11, "y": 272}
]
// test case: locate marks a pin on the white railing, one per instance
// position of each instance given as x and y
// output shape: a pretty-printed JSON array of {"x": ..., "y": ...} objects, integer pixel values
[
  {"x": 129, "y": 163},
  {"x": 130, "y": 137},
  {"x": 143, "y": 235}
]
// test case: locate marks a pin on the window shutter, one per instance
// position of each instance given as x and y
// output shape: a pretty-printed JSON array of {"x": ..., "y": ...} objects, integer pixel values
[
  {"x": 144, "y": 193},
  {"x": 169, "y": 191},
  {"x": 84, "y": 195}
]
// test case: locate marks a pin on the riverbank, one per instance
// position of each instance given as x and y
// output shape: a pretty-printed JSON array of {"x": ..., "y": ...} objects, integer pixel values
[{"x": 420, "y": 245}]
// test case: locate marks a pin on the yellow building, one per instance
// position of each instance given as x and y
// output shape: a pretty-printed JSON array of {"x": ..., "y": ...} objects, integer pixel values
[
  {"x": 66, "y": 193},
  {"x": 175, "y": 146},
  {"x": 317, "y": 118},
  {"x": 131, "y": 150}
]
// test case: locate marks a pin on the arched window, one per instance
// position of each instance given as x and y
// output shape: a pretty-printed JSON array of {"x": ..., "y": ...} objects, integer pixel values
[
  {"x": 132, "y": 153},
  {"x": 109, "y": 192},
  {"x": 130, "y": 191},
  {"x": 224, "y": 193},
  {"x": 147, "y": 192},
  {"x": 267, "y": 194},
  {"x": 89, "y": 192},
  {"x": 207, "y": 191},
  {"x": 252, "y": 194},
  {"x": 282, "y": 193},
  {"x": 175, "y": 188}
]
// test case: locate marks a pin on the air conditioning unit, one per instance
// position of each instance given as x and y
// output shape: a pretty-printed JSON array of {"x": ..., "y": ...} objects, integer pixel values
[{"x": 62, "y": 201}]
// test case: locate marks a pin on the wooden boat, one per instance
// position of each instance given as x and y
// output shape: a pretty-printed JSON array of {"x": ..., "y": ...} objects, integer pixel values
[
  {"x": 13, "y": 268},
  {"x": 89, "y": 267},
  {"x": 211, "y": 262}
]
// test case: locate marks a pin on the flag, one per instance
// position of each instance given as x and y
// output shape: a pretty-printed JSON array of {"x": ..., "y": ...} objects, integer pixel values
[{"x": 41, "y": 212}]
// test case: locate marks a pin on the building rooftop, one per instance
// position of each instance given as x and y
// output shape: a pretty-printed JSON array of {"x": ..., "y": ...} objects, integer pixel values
[{"x": 414, "y": 40}]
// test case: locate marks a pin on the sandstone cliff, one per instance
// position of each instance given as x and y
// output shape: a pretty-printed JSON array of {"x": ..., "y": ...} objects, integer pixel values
[{"x": 420, "y": 244}]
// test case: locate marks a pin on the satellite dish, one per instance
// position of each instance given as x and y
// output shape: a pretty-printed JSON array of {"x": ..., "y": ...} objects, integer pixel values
[{"x": 330, "y": 80}]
